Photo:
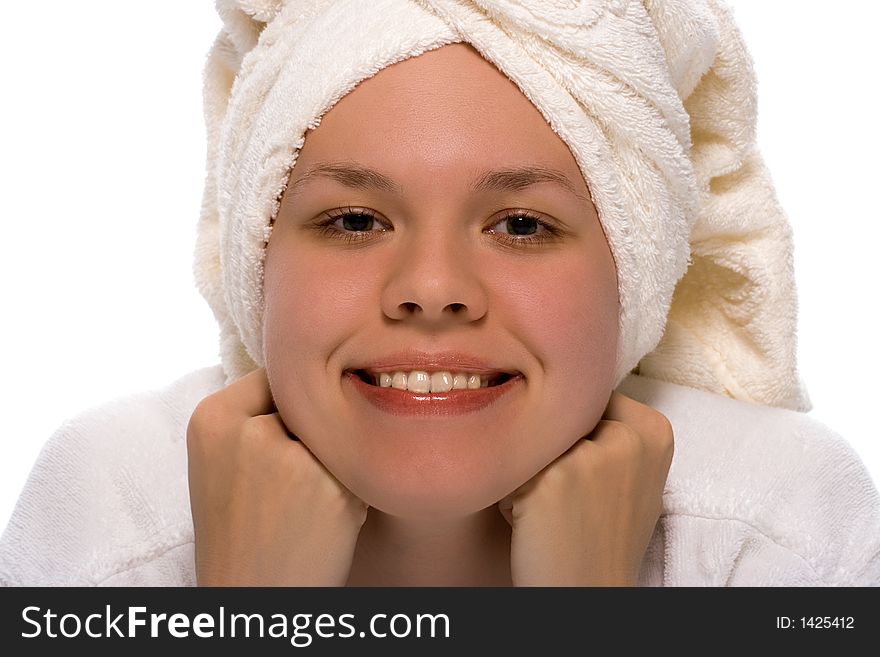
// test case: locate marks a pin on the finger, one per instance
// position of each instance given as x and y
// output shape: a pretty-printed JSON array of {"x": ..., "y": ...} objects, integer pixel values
[
  {"x": 645, "y": 420},
  {"x": 505, "y": 506},
  {"x": 251, "y": 394},
  {"x": 621, "y": 408},
  {"x": 279, "y": 427}
]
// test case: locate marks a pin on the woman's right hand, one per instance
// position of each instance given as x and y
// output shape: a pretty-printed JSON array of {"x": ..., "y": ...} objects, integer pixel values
[{"x": 265, "y": 511}]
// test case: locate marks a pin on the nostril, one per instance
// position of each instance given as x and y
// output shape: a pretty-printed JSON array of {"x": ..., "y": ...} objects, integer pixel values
[
  {"x": 456, "y": 307},
  {"x": 410, "y": 306}
]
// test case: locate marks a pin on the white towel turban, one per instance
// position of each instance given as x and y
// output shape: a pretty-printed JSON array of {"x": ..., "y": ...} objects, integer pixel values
[{"x": 656, "y": 101}]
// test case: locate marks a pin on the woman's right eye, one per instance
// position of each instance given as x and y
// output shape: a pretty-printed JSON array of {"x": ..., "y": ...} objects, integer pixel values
[
  {"x": 352, "y": 220},
  {"x": 350, "y": 225}
]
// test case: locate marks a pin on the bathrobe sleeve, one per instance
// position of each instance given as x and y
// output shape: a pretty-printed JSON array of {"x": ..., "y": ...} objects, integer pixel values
[
  {"x": 758, "y": 496},
  {"x": 825, "y": 528},
  {"x": 817, "y": 523},
  {"x": 107, "y": 501}
]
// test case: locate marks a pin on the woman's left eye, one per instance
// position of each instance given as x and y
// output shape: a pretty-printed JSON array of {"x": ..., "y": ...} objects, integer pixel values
[{"x": 522, "y": 225}]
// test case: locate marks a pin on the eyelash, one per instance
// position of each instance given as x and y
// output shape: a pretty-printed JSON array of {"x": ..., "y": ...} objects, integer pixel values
[{"x": 326, "y": 228}]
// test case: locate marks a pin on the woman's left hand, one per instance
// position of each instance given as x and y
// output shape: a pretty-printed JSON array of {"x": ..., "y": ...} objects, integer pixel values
[{"x": 587, "y": 518}]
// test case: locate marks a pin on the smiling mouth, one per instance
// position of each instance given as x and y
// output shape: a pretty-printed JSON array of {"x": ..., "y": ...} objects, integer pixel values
[
  {"x": 494, "y": 380},
  {"x": 426, "y": 401}
]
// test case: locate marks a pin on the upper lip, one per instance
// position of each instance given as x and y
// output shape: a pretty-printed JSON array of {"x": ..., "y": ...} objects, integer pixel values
[{"x": 438, "y": 361}]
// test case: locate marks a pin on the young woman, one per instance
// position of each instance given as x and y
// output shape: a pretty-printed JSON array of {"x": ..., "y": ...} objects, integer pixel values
[{"x": 504, "y": 300}]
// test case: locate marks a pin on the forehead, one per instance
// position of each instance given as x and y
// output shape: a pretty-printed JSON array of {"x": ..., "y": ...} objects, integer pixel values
[{"x": 445, "y": 109}]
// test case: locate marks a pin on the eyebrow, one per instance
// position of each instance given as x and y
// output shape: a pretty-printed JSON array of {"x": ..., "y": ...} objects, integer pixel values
[{"x": 356, "y": 176}]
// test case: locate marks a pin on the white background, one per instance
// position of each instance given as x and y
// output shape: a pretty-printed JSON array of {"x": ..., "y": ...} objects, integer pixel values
[{"x": 101, "y": 167}]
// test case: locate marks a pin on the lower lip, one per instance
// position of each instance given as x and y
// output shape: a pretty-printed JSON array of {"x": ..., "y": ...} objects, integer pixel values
[{"x": 454, "y": 402}]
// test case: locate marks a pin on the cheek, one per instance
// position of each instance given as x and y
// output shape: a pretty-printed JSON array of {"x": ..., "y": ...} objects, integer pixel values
[
  {"x": 312, "y": 305},
  {"x": 310, "y": 301},
  {"x": 568, "y": 314}
]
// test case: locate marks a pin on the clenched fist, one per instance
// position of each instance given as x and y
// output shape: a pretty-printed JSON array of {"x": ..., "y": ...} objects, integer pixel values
[
  {"x": 587, "y": 518},
  {"x": 265, "y": 511}
]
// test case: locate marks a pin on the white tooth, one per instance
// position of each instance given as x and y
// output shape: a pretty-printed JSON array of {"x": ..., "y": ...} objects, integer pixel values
[
  {"x": 460, "y": 382},
  {"x": 399, "y": 380},
  {"x": 441, "y": 382},
  {"x": 418, "y": 381},
  {"x": 473, "y": 381},
  {"x": 384, "y": 380}
]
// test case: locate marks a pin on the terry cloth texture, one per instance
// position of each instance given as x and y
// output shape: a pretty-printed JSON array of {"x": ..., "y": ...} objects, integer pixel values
[
  {"x": 656, "y": 101},
  {"x": 756, "y": 496}
]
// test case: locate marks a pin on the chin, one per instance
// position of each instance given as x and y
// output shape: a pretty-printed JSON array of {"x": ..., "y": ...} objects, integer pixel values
[
  {"x": 421, "y": 494},
  {"x": 445, "y": 472},
  {"x": 419, "y": 507}
]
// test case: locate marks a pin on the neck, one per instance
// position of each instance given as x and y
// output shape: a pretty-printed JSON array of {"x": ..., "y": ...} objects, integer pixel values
[{"x": 472, "y": 550}]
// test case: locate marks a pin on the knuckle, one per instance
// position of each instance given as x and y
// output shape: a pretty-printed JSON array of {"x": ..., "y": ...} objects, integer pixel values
[
  {"x": 252, "y": 430},
  {"x": 664, "y": 434},
  {"x": 662, "y": 426},
  {"x": 582, "y": 454},
  {"x": 302, "y": 463},
  {"x": 333, "y": 497},
  {"x": 564, "y": 473},
  {"x": 344, "y": 501},
  {"x": 259, "y": 426},
  {"x": 299, "y": 456},
  {"x": 553, "y": 477},
  {"x": 204, "y": 423},
  {"x": 624, "y": 437}
]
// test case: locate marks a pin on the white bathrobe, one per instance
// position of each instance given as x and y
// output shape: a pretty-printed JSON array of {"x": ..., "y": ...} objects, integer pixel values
[{"x": 756, "y": 496}]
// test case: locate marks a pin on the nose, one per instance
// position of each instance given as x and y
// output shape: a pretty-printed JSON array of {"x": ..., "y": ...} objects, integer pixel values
[{"x": 433, "y": 281}]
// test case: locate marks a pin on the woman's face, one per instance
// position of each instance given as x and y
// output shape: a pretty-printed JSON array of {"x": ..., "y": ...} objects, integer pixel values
[{"x": 474, "y": 235}]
